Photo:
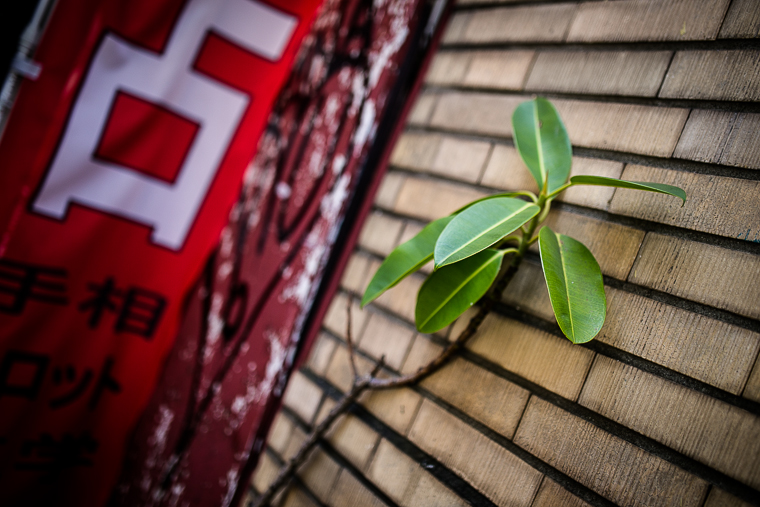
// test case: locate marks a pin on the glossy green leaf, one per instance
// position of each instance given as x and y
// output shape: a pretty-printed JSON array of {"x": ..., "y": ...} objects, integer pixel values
[
  {"x": 575, "y": 284},
  {"x": 636, "y": 185},
  {"x": 541, "y": 139},
  {"x": 451, "y": 290},
  {"x": 489, "y": 197},
  {"x": 480, "y": 226},
  {"x": 405, "y": 259}
]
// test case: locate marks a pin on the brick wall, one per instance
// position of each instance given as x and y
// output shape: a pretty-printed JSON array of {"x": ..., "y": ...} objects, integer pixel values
[{"x": 663, "y": 408}]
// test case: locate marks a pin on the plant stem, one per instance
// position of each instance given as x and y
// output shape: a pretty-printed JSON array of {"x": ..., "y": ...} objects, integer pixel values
[
  {"x": 371, "y": 382},
  {"x": 285, "y": 473}
]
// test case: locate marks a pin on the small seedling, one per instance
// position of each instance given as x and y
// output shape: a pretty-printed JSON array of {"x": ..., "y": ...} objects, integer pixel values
[{"x": 469, "y": 246}]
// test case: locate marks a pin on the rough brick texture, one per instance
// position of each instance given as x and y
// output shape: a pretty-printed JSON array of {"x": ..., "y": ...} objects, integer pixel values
[{"x": 663, "y": 408}]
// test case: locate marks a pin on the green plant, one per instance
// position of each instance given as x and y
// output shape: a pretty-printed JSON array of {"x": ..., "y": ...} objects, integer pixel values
[{"x": 469, "y": 246}]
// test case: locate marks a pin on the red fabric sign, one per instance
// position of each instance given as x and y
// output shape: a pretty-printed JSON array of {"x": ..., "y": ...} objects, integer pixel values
[{"x": 118, "y": 169}]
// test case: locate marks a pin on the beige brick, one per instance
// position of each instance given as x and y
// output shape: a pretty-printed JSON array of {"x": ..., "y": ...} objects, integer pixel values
[
  {"x": 448, "y": 68},
  {"x": 389, "y": 188},
  {"x": 479, "y": 113},
  {"x": 356, "y": 276},
  {"x": 321, "y": 353},
  {"x": 431, "y": 493},
  {"x": 456, "y": 26},
  {"x": 614, "y": 246},
  {"x": 547, "y": 360},
  {"x": 725, "y": 279},
  {"x": 280, "y": 434},
  {"x": 631, "y": 128},
  {"x": 587, "y": 195},
  {"x": 337, "y": 317},
  {"x": 401, "y": 478},
  {"x": 713, "y": 75},
  {"x": 742, "y": 20},
  {"x": 623, "y": 127},
  {"x": 297, "y": 498},
  {"x": 394, "y": 472},
  {"x": 265, "y": 473},
  {"x": 297, "y": 439},
  {"x": 615, "y": 469},
  {"x": 637, "y": 73},
  {"x": 416, "y": 150},
  {"x": 349, "y": 492},
  {"x": 461, "y": 323},
  {"x": 429, "y": 199},
  {"x": 527, "y": 291},
  {"x": 395, "y": 407},
  {"x": 385, "y": 337},
  {"x": 490, "y": 468},
  {"x": 447, "y": 156},
  {"x": 319, "y": 474},
  {"x": 353, "y": 439},
  {"x": 302, "y": 396},
  {"x": 721, "y": 137},
  {"x": 422, "y": 109},
  {"x": 501, "y": 70},
  {"x": 410, "y": 231},
  {"x": 461, "y": 159},
  {"x": 541, "y": 23},
  {"x": 703, "y": 348},
  {"x": 380, "y": 233},
  {"x": 720, "y": 435},
  {"x": 719, "y": 498},
  {"x": 552, "y": 494},
  {"x": 648, "y": 20},
  {"x": 422, "y": 352},
  {"x": 752, "y": 389},
  {"x": 339, "y": 372},
  {"x": 507, "y": 171},
  {"x": 715, "y": 204},
  {"x": 324, "y": 410},
  {"x": 489, "y": 399}
]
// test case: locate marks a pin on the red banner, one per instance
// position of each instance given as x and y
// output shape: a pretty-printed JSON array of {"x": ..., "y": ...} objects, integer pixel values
[{"x": 118, "y": 170}]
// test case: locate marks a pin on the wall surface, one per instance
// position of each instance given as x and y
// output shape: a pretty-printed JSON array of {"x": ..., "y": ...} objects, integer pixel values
[{"x": 663, "y": 408}]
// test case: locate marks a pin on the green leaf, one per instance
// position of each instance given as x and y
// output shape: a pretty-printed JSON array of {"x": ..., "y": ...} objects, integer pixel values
[
  {"x": 636, "y": 185},
  {"x": 451, "y": 290},
  {"x": 405, "y": 259},
  {"x": 541, "y": 139},
  {"x": 576, "y": 288},
  {"x": 480, "y": 226}
]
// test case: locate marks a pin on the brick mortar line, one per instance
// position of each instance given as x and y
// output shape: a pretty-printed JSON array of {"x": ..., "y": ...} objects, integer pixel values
[
  {"x": 336, "y": 456},
  {"x": 561, "y": 478},
  {"x": 662, "y": 83},
  {"x": 568, "y": 483},
  {"x": 639, "y": 363},
  {"x": 604, "y": 349},
  {"x": 642, "y": 224},
  {"x": 294, "y": 480},
  {"x": 648, "y": 444},
  {"x": 674, "y": 164},
  {"x": 604, "y": 46},
  {"x": 596, "y": 346},
  {"x": 711, "y": 104},
  {"x": 440, "y": 472}
]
